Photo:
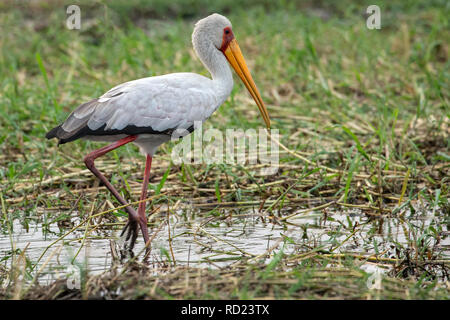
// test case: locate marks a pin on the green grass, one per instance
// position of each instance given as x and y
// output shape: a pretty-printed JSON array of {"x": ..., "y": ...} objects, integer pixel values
[{"x": 363, "y": 113}]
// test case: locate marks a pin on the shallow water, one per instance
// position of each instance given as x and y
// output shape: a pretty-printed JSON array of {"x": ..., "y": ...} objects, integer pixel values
[{"x": 221, "y": 242}]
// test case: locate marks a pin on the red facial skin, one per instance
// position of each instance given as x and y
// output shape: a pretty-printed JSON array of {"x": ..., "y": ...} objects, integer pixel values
[{"x": 226, "y": 38}]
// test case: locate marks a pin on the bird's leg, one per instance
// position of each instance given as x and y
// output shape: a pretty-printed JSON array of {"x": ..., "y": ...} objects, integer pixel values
[
  {"x": 131, "y": 228},
  {"x": 141, "y": 209}
]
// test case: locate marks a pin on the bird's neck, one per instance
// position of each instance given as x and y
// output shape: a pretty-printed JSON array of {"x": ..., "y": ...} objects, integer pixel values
[{"x": 217, "y": 65}]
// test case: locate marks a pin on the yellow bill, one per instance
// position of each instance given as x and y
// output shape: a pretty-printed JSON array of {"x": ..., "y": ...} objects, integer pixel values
[{"x": 237, "y": 61}]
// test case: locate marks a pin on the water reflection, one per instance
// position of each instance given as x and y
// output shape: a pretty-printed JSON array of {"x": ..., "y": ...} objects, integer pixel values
[{"x": 218, "y": 242}]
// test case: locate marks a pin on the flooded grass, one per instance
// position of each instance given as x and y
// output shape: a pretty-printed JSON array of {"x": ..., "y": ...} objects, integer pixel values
[
  {"x": 244, "y": 257},
  {"x": 331, "y": 254},
  {"x": 358, "y": 209}
]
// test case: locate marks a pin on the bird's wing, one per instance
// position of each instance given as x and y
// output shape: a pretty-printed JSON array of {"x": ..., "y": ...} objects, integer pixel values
[{"x": 155, "y": 104}]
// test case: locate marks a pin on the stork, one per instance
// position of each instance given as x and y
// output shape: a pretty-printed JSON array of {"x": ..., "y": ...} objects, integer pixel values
[{"x": 147, "y": 111}]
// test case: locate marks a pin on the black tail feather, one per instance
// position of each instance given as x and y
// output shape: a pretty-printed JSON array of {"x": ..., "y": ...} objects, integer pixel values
[
  {"x": 53, "y": 133},
  {"x": 62, "y": 136}
]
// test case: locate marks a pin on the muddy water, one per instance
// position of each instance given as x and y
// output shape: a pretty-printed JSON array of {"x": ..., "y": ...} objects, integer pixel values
[{"x": 218, "y": 243}]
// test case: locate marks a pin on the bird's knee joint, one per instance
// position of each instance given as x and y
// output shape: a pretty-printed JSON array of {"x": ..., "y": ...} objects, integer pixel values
[{"x": 89, "y": 161}]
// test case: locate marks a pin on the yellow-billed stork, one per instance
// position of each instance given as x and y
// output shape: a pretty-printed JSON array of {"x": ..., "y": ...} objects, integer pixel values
[{"x": 147, "y": 111}]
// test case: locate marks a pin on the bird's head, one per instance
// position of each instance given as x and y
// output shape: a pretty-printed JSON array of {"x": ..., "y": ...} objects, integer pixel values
[{"x": 217, "y": 30}]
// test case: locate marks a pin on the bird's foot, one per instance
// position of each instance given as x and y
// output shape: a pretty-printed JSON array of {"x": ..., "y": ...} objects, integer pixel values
[{"x": 128, "y": 238}]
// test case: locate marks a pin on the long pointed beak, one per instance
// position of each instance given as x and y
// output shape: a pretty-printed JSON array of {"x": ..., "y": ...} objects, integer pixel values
[{"x": 236, "y": 59}]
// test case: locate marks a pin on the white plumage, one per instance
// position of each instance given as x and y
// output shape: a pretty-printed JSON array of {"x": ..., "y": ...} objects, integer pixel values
[
  {"x": 172, "y": 101},
  {"x": 149, "y": 110},
  {"x": 162, "y": 103}
]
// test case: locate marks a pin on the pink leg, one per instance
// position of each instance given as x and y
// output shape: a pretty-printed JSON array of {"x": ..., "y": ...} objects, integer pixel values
[
  {"x": 141, "y": 210},
  {"x": 133, "y": 217}
]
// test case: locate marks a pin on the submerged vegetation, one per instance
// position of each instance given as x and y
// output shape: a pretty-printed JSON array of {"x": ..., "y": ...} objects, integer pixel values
[{"x": 358, "y": 209}]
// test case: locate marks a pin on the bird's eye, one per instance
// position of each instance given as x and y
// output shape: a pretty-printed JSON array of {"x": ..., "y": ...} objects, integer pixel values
[{"x": 227, "y": 31}]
